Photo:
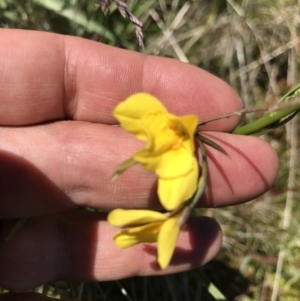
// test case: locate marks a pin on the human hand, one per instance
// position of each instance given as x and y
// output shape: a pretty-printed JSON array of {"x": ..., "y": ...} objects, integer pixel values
[{"x": 59, "y": 149}]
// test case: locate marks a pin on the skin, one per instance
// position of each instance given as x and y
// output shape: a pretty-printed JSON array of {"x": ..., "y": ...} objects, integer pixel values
[{"x": 58, "y": 149}]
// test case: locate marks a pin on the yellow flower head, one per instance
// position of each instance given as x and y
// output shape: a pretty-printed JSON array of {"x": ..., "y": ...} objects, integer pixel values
[
  {"x": 146, "y": 226},
  {"x": 169, "y": 151}
]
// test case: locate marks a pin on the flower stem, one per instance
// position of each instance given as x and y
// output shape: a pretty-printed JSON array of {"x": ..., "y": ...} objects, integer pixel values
[
  {"x": 200, "y": 187},
  {"x": 275, "y": 118}
]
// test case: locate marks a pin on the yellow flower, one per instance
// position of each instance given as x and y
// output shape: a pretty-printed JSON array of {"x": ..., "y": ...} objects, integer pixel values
[
  {"x": 169, "y": 150},
  {"x": 146, "y": 226}
]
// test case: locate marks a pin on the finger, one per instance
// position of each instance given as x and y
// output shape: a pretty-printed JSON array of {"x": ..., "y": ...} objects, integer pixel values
[
  {"x": 48, "y": 77},
  {"x": 78, "y": 246},
  {"x": 77, "y": 166},
  {"x": 247, "y": 172}
]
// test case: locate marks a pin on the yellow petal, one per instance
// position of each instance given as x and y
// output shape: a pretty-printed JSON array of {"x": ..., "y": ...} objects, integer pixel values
[
  {"x": 175, "y": 163},
  {"x": 124, "y": 240},
  {"x": 171, "y": 164},
  {"x": 131, "y": 111},
  {"x": 173, "y": 192},
  {"x": 162, "y": 136},
  {"x": 189, "y": 122},
  {"x": 132, "y": 236},
  {"x": 167, "y": 239},
  {"x": 166, "y": 161},
  {"x": 146, "y": 157},
  {"x": 126, "y": 218}
]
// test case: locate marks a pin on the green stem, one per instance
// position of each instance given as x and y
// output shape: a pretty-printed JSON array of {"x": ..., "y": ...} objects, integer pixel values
[
  {"x": 200, "y": 187},
  {"x": 265, "y": 121},
  {"x": 273, "y": 119}
]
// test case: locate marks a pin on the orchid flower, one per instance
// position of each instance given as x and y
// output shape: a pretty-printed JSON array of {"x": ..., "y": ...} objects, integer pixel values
[
  {"x": 170, "y": 147},
  {"x": 146, "y": 226}
]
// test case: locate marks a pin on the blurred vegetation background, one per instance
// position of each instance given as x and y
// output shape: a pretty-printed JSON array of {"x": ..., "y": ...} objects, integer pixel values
[{"x": 254, "y": 46}]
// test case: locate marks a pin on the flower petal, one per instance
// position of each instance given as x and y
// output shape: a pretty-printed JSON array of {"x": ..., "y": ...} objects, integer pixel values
[
  {"x": 126, "y": 218},
  {"x": 167, "y": 239},
  {"x": 131, "y": 111},
  {"x": 171, "y": 164},
  {"x": 173, "y": 192},
  {"x": 189, "y": 123},
  {"x": 132, "y": 236},
  {"x": 175, "y": 163},
  {"x": 159, "y": 129}
]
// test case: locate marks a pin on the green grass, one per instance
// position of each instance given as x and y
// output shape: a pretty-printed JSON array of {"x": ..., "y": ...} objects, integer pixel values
[{"x": 253, "y": 45}]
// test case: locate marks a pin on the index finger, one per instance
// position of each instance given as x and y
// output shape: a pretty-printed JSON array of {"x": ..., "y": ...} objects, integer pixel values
[{"x": 47, "y": 77}]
